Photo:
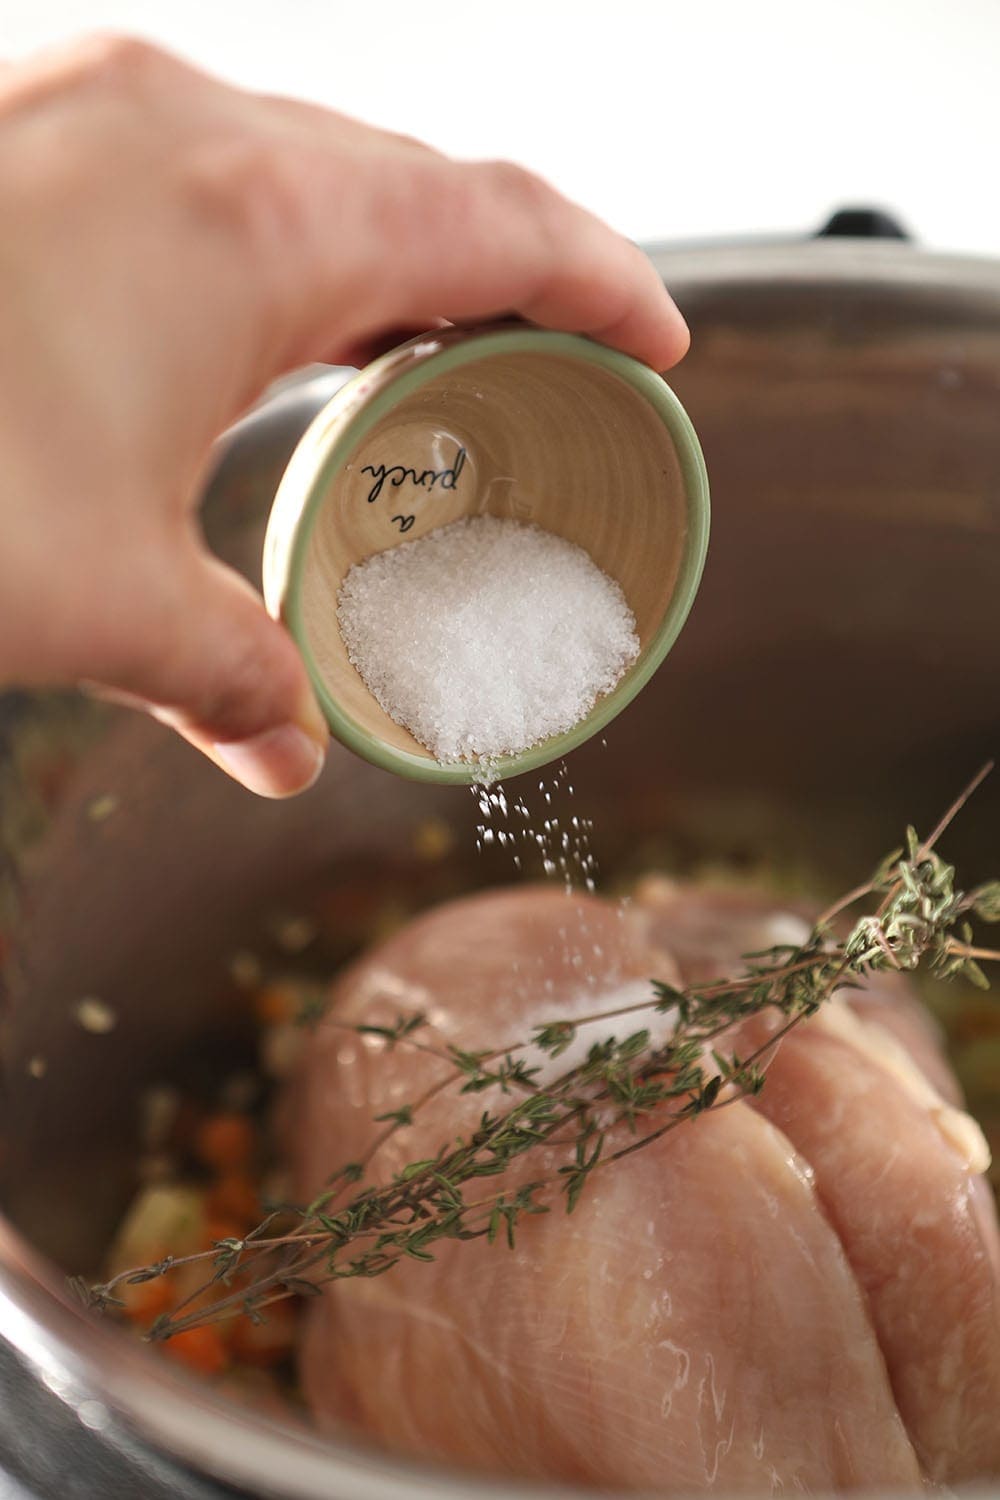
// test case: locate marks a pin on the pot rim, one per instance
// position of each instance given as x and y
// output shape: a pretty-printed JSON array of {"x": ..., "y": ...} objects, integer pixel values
[
  {"x": 80, "y": 1360},
  {"x": 110, "y": 1381},
  {"x": 819, "y": 261}
]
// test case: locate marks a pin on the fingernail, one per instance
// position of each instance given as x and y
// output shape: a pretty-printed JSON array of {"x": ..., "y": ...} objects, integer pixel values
[{"x": 277, "y": 763}]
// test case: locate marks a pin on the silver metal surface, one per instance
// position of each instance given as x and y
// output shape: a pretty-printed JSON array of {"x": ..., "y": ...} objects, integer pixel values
[{"x": 837, "y": 678}]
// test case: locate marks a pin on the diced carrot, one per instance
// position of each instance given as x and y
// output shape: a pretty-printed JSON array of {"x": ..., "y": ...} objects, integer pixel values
[
  {"x": 234, "y": 1199},
  {"x": 144, "y": 1303},
  {"x": 266, "y": 1343},
  {"x": 225, "y": 1142},
  {"x": 200, "y": 1349},
  {"x": 277, "y": 1002}
]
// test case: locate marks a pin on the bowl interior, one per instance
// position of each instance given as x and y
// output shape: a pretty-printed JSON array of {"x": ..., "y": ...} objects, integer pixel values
[{"x": 567, "y": 441}]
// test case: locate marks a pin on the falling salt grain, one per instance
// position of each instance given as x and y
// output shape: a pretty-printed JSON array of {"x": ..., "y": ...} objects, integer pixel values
[{"x": 486, "y": 636}]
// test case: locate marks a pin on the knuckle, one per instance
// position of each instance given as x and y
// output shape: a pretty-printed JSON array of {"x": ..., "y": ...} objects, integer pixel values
[
  {"x": 459, "y": 208},
  {"x": 410, "y": 203},
  {"x": 515, "y": 185},
  {"x": 413, "y": 144},
  {"x": 247, "y": 691},
  {"x": 245, "y": 184},
  {"x": 103, "y": 66},
  {"x": 515, "y": 204},
  {"x": 115, "y": 58}
]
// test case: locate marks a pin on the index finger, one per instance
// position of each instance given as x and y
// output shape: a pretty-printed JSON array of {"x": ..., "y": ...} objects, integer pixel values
[
  {"x": 415, "y": 237},
  {"x": 500, "y": 240}
]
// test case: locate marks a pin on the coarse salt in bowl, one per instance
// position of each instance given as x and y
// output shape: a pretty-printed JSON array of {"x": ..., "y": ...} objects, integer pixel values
[{"x": 485, "y": 545}]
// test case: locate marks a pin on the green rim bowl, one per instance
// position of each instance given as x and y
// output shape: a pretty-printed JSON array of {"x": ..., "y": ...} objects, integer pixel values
[{"x": 334, "y": 435}]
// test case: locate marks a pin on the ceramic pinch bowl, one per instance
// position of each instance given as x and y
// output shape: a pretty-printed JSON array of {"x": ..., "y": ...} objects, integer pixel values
[{"x": 510, "y": 421}]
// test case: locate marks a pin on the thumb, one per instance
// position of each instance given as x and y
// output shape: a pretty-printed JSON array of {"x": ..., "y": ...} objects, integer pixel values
[{"x": 229, "y": 679}]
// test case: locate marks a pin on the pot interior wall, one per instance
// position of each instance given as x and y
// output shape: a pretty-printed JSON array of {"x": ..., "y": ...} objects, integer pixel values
[{"x": 837, "y": 679}]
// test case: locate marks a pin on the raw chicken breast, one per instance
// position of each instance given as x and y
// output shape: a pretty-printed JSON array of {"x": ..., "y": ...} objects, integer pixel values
[
  {"x": 713, "y": 1313},
  {"x": 864, "y": 1093}
]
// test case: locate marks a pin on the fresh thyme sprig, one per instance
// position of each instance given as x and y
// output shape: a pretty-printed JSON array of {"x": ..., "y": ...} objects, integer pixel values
[{"x": 625, "y": 1094}]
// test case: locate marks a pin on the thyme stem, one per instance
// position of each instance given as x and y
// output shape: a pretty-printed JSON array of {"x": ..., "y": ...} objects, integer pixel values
[{"x": 586, "y": 1109}]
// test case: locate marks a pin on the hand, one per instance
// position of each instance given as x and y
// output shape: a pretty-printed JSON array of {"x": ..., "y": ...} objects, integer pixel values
[{"x": 168, "y": 246}]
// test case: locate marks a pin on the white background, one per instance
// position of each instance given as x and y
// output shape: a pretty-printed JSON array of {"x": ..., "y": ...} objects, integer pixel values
[{"x": 673, "y": 120}]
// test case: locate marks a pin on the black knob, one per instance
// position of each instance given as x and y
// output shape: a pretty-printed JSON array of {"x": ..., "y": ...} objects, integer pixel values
[{"x": 863, "y": 224}]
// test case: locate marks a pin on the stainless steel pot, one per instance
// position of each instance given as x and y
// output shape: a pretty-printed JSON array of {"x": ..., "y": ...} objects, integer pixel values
[{"x": 838, "y": 678}]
